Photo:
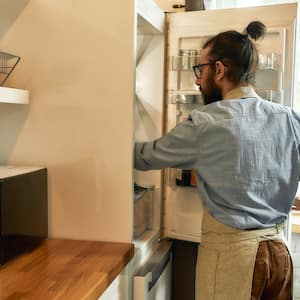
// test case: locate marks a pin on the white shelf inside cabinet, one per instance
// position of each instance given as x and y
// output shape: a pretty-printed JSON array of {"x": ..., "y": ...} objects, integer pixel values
[{"x": 14, "y": 96}]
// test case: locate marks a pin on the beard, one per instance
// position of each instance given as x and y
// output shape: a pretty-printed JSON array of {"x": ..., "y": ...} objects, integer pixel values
[{"x": 211, "y": 93}]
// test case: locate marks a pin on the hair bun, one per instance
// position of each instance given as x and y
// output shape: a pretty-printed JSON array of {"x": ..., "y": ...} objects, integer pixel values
[{"x": 256, "y": 30}]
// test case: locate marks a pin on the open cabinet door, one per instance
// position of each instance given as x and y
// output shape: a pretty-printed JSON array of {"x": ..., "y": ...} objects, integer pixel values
[
  {"x": 275, "y": 81},
  {"x": 148, "y": 114}
]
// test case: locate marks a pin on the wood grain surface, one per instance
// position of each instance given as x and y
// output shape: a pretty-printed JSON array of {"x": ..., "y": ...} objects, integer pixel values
[{"x": 64, "y": 269}]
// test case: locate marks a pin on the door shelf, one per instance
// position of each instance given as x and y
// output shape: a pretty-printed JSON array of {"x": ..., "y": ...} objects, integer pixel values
[
  {"x": 14, "y": 96},
  {"x": 270, "y": 61},
  {"x": 143, "y": 210},
  {"x": 271, "y": 95},
  {"x": 183, "y": 63},
  {"x": 185, "y": 97},
  {"x": 182, "y": 79}
]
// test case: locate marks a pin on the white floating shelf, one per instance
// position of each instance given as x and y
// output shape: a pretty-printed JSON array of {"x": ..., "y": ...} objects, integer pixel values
[{"x": 16, "y": 96}]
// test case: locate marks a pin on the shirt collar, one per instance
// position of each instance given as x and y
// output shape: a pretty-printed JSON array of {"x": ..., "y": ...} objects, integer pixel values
[{"x": 241, "y": 92}]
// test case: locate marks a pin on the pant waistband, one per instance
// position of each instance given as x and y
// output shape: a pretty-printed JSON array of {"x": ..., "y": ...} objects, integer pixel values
[{"x": 241, "y": 235}]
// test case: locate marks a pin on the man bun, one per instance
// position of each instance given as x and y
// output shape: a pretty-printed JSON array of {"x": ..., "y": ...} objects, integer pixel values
[{"x": 255, "y": 30}]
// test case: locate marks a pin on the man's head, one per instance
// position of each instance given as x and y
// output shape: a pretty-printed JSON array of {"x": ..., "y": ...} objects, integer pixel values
[{"x": 228, "y": 60}]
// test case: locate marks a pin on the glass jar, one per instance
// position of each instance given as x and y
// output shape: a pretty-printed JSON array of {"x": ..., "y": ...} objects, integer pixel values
[{"x": 189, "y": 58}]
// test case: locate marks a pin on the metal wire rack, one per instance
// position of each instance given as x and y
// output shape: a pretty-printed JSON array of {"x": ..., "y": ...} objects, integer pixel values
[{"x": 7, "y": 64}]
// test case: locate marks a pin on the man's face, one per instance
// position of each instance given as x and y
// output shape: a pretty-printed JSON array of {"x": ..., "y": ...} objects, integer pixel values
[{"x": 206, "y": 82}]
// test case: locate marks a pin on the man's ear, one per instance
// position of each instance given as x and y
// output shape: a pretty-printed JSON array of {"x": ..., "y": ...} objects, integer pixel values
[{"x": 220, "y": 70}]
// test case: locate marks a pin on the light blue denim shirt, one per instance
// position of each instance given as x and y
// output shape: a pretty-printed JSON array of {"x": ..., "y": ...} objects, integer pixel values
[{"x": 245, "y": 151}]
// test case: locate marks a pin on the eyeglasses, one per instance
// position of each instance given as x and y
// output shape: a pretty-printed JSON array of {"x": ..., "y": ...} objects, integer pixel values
[{"x": 198, "y": 68}]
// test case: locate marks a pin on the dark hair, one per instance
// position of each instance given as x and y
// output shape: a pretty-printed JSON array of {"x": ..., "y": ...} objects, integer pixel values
[{"x": 237, "y": 51}]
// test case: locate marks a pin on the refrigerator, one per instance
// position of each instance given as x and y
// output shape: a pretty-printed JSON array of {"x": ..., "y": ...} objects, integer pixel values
[{"x": 167, "y": 46}]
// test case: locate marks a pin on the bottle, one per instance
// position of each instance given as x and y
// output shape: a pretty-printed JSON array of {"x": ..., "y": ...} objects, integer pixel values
[
  {"x": 193, "y": 178},
  {"x": 183, "y": 177}
]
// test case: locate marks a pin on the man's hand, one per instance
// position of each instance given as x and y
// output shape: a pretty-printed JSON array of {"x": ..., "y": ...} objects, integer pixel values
[{"x": 296, "y": 205}]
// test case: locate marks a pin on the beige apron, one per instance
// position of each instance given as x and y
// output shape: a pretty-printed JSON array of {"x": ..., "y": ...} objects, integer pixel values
[{"x": 226, "y": 259}]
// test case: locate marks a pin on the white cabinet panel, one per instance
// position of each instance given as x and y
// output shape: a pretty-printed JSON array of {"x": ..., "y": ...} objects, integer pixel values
[
  {"x": 162, "y": 288},
  {"x": 153, "y": 279},
  {"x": 120, "y": 288}
]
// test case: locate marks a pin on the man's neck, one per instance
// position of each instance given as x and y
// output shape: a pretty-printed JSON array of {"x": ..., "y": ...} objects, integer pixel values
[{"x": 227, "y": 88}]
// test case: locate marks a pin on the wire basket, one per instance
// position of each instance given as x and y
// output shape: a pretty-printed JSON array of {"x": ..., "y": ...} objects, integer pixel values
[{"x": 7, "y": 64}]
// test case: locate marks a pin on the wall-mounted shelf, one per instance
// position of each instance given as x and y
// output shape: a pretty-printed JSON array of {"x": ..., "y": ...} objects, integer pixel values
[{"x": 15, "y": 96}]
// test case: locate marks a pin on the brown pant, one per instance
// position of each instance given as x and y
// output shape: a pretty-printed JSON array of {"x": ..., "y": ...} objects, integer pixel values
[{"x": 272, "y": 279}]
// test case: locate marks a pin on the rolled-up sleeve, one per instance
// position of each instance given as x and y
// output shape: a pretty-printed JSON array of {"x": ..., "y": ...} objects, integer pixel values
[{"x": 176, "y": 149}]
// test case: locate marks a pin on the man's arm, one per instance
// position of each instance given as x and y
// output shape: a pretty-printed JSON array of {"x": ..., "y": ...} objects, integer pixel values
[{"x": 176, "y": 149}]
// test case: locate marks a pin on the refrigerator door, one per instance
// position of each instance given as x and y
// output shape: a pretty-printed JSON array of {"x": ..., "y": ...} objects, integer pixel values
[
  {"x": 275, "y": 82},
  {"x": 148, "y": 106}
]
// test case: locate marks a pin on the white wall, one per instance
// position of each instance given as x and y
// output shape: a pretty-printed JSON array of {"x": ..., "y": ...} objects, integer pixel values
[{"x": 77, "y": 62}]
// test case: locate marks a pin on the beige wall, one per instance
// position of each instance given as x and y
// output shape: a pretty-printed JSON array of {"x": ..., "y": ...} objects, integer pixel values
[{"x": 77, "y": 62}]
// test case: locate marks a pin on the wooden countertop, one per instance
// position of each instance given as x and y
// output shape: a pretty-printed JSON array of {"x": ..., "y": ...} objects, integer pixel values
[{"x": 64, "y": 269}]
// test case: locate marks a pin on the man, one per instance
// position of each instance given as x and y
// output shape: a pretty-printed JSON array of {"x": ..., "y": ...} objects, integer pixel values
[{"x": 245, "y": 152}]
